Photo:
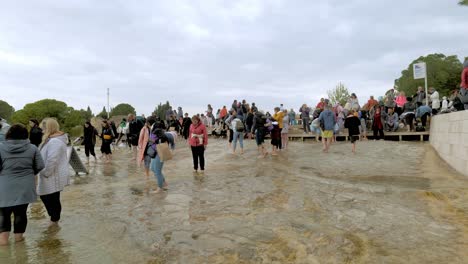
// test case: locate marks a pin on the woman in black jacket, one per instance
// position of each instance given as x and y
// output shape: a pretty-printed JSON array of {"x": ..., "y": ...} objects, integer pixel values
[
  {"x": 35, "y": 134},
  {"x": 89, "y": 140}
]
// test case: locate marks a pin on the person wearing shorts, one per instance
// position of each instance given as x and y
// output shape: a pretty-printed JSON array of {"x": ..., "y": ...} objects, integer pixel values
[{"x": 327, "y": 119}]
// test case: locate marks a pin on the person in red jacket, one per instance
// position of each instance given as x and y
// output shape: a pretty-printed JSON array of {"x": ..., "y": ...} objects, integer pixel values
[
  {"x": 198, "y": 140},
  {"x": 464, "y": 85},
  {"x": 464, "y": 76}
]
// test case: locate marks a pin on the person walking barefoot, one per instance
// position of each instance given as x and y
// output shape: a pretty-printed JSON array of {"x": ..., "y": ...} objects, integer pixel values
[
  {"x": 20, "y": 162},
  {"x": 352, "y": 123},
  {"x": 55, "y": 176},
  {"x": 198, "y": 141}
]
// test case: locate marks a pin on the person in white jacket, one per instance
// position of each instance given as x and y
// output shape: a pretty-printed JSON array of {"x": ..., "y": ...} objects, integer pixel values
[
  {"x": 434, "y": 99},
  {"x": 445, "y": 103},
  {"x": 55, "y": 176}
]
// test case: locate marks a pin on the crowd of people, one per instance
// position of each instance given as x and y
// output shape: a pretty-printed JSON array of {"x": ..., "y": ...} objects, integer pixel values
[{"x": 41, "y": 152}]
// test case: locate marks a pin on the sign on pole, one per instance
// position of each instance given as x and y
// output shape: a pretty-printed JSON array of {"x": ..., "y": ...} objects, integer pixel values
[{"x": 420, "y": 72}]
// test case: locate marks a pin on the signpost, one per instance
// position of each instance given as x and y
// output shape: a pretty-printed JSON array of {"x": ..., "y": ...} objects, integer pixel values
[{"x": 420, "y": 71}]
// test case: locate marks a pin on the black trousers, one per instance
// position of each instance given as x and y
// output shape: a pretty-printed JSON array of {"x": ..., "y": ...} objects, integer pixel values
[
  {"x": 53, "y": 205},
  {"x": 89, "y": 148},
  {"x": 424, "y": 119},
  {"x": 106, "y": 147},
  {"x": 379, "y": 132},
  {"x": 409, "y": 118},
  {"x": 21, "y": 219},
  {"x": 198, "y": 154}
]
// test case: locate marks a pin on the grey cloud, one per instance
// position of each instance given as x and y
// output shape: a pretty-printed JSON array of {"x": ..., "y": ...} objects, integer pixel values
[{"x": 195, "y": 53}]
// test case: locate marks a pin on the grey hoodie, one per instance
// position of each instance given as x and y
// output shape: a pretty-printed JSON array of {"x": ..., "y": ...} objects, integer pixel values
[{"x": 19, "y": 162}]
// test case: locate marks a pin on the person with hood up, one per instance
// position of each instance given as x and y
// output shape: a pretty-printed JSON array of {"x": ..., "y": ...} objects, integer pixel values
[
  {"x": 55, "y": 176},
  {"x": 20, "y": 161},
  {"x": 35, "y": 134},
  {"x": 89, "y": 140}
]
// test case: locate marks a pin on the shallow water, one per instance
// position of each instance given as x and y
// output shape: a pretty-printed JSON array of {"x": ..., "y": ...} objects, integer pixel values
[{"x": 392, "y": 202}]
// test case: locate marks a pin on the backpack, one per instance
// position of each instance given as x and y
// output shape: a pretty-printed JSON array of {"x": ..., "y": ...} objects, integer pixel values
[{"x": 239, "y": 126}]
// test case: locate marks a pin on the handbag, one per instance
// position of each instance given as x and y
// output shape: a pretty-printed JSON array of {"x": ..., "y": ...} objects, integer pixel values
[
  {"x": 150, "y": 151},
  {"x": 163, "y": 151}
]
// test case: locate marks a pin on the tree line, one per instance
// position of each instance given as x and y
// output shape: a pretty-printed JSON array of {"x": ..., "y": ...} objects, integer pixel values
[{"x": 71, "y": 120}]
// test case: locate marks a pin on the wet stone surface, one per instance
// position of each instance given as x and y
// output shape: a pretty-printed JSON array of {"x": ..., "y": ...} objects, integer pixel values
[{"x": 392, "y": 202}]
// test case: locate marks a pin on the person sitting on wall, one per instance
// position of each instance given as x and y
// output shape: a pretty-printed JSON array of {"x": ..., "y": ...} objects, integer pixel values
[
  {"x": 391, "y": 120},
  {"x": 422, "y": 113}
]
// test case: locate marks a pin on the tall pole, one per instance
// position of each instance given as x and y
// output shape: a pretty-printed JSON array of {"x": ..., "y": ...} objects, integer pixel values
[
  {"x": 108, "y": 107},
  {"x": 425, "y": 84}
]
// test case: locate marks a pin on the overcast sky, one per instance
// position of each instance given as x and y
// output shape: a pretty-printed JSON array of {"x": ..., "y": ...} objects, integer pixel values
[{"x": 197, "y": 52}]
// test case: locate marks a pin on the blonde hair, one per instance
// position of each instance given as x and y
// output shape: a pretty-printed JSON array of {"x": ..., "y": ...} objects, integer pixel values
[{"x": 50, "y": 127}]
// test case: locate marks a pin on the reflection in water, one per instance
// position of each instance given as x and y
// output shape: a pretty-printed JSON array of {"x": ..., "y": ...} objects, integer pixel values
[{"x": 299, "y": 207}]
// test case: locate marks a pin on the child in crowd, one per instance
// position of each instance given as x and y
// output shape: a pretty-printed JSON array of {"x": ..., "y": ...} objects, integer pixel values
[
  {"x": 352, "y": 123},
  {"x": 275, "y": 137}
]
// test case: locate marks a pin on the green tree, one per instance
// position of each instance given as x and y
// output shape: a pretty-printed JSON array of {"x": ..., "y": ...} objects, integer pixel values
[
  {"x": 86, "y": 114},
  {"x": 339, "y": 94},
  {"x": 122, "y": 109},
  {"x": 103, "y": 113},
  {"x": 6, "y": 110},
  {"x": 74, "y": 118},
  {"x": 161, "y": 110},
  {"x": 40, "y": 110},
  {"x": 67, "y": 117},
  {"x": 443, "y": 73},
  {"x": 463, "y": 2}
]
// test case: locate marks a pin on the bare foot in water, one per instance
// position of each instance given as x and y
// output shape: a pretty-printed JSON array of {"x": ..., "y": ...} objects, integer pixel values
[
  {"x": 4, "y": 238},
  {"x": 19, "y": 237}
]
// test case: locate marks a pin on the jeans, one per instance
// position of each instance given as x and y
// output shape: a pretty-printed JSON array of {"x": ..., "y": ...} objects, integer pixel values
[
  {"x": 20, "y": 222},
  {"x": 156, "y": 167},
  {"x": 305, "y": 124},
  {"x": 260, "y": 136},
  {"x": 238, "y": 136},
  {"x": 316, "y": 130},
  {"x": 392, "y": 128},
  {"x": 53, "y": 205}
]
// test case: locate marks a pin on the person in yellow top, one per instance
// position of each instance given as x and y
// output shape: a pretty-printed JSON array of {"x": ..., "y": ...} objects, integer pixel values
[{"x": 278, "y": 116}]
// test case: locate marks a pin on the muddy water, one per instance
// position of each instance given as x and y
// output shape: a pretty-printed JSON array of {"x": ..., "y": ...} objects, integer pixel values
[{"x": 392, "y": 202}]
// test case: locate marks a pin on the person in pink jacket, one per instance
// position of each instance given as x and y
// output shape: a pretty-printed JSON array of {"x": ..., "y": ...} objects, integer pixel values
[
  {"x": 143, "y": 143},
  {"x": 198, "y": 140}
]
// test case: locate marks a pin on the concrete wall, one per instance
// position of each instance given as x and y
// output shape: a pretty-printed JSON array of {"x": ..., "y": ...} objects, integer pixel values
[{"x": 449, "y": 137}]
